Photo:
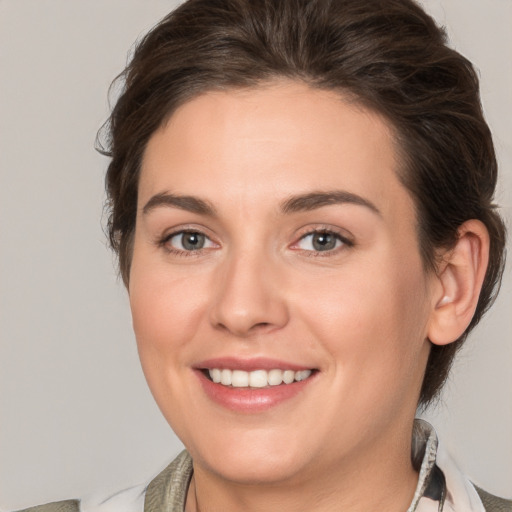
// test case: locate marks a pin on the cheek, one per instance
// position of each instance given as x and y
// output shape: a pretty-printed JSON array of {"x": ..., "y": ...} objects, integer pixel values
[
  {"x": 371, "y": 320},
  {"x": 166, "y": 308},
  {"x": 167, "y": 311}
]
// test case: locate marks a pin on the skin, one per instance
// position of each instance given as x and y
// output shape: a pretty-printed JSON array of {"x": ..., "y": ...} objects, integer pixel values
[{"x": 359, "y": 314}]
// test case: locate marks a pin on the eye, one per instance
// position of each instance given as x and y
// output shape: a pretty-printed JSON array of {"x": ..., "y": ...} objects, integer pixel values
[
  {"x": 188, "y": 241},
  {"x": 321, "y": 241}
]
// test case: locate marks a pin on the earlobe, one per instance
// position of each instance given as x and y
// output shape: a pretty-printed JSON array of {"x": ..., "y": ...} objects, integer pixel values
[{"x": 458, "y": 283}]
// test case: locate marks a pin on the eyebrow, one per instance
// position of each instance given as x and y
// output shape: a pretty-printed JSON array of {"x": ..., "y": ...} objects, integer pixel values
[
  {"x": 294, "y": 204},
  {"x": 314, "y": 200},
  {"x": 188, "y": 203}
]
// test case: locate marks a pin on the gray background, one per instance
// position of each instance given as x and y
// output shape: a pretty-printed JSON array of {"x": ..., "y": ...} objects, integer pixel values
[{"x": 76, "y": 416}]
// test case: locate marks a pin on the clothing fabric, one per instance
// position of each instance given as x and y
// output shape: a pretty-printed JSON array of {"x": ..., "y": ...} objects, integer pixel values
[{"x": 441, "y": 486}]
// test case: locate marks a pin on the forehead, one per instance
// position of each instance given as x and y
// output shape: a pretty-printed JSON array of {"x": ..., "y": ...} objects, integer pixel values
[{"x": 263, "y": 143}]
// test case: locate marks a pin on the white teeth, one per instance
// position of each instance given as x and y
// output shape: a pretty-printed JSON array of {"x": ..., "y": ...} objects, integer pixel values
[
  {"x": 239, "y": 379},
  {"x": 275, "y": 377},
  {"x": 302, "y": 375},
  {"x": 288, "y": 376},
  {"x": 256, "y": 378},
  {"x": 225, "y": 377},
  {"x": 216, "y": 375}
]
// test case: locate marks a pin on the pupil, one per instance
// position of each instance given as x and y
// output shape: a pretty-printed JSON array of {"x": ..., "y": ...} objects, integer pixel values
[
  {"x": 324, "y": 241},
  {"x": 193, "y": 241}
]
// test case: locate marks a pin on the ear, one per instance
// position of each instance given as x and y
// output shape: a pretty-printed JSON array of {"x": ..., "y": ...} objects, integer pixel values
[{"x": 458, "y": 283}]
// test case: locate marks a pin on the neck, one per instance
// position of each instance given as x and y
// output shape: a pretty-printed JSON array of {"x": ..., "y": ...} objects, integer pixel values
[{"x": 381, "y": 478}]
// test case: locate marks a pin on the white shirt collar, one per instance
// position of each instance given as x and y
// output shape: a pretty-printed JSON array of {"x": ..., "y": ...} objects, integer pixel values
[{"x": 441, "y": 485}]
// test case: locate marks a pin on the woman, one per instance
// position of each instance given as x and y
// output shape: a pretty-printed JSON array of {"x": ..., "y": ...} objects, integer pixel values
[{"x": 301, "y": 199}]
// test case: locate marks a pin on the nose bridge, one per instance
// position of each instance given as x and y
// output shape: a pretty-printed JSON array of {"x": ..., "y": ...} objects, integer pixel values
[{"x": 248, "y": 296}]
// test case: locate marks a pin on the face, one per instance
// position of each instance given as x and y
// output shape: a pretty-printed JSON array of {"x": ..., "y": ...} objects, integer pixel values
[{"x": 276, "y": 252}]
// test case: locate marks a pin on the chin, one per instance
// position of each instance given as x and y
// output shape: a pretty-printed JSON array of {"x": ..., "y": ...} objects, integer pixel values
[
  {"x": 254, "y": 458},
  {"x": 253, "y": 470}
]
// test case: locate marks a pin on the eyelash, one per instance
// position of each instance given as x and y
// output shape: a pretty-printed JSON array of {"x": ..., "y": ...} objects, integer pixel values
[
  {"x": 346, "y": 242},
  {"x": 164, "y": 243}
]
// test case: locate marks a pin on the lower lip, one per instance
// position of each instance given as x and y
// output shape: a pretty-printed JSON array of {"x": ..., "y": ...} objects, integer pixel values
[{"x": 251, "y": 400}]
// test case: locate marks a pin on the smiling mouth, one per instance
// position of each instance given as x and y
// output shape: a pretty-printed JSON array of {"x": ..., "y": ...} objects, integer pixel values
[{"x": 255, "y": 378}]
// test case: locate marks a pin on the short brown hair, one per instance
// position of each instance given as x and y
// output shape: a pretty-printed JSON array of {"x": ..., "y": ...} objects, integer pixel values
[{"x": 387, "y": 54}]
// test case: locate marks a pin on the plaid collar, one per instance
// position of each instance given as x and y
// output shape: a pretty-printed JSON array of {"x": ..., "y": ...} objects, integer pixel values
[{"x": 431, "y": 481}]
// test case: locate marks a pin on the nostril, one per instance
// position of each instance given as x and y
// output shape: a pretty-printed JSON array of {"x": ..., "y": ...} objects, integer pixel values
[
  {"x": 261, "y": 324},
  {"x": 246, "y": 330}
]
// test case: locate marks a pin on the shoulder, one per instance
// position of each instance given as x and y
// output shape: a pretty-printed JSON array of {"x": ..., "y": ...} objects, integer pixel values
[
  {"x": 461, "y": 493},
  {"x": 494, "y": 503},
  {"x": 59, "y": 506},
  {"x": 167, "y": 491},
  {"x": 127, "y": 500}
]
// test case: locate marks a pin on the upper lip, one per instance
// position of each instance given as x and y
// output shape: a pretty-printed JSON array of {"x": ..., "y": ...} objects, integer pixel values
[{"x": 249, "y": 365}]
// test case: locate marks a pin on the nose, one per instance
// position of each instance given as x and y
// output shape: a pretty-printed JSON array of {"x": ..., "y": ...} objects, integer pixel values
[{"x": 250, "y": 297}]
